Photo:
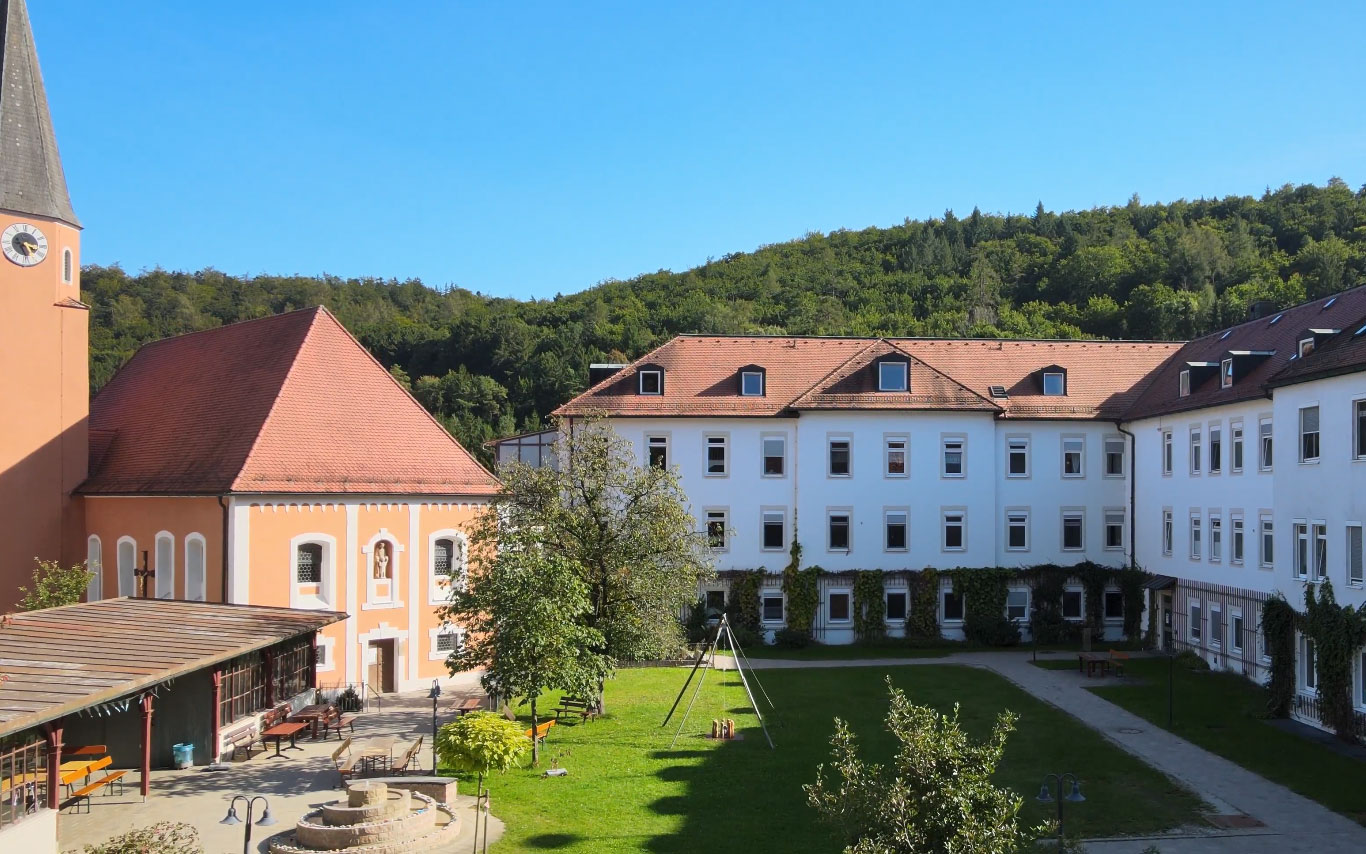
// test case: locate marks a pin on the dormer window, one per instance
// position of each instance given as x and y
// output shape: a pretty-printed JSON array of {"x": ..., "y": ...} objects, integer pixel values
[
  {"x": 1054, "y": 383},
  {"x": 752, "y": 383},
  {"x": 1185, "y": 383},
  {"x": 651, "y": 381},
  {"x": 1226, "y": 373},
  {"x": 892, "y": 376},
  {"x": 1306, "y": 346}
]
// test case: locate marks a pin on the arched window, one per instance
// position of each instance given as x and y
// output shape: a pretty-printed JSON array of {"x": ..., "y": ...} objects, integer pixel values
[
  {"x": 442, "y": 554},
  {"x": 447, "y": 549},
  {"x": 309, "y": 564},
  {"x": 195, "y": 584},
  {"x": 165, "y": 568},
  {"x": 128, "y": 561},
  {"x": 67, "y": 271},
  {"x": 92, "y": 563}
]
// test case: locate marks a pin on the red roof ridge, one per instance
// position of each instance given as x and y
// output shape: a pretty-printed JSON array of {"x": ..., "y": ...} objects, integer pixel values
[{"x": 993, "y": 404}]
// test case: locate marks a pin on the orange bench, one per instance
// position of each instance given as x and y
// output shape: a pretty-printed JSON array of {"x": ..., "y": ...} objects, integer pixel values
[{"x": 541, "y": 730}]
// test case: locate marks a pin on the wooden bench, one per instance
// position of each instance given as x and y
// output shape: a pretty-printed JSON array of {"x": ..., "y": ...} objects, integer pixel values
[
  {"x": 345, "y": 762},
  {"x": 541, "y": 730},
  {"x": 346, "y": 719},
  {"x": 406, "y": 760},
  {"x": 84, "y": 793},
  {"x": 69, "y": 778},
  {"x": 244, "y": 738},
  {"x": 585, "y": 709},
  {"x": 467, "y": 705},
  {"x": 1117, "y": 661}
]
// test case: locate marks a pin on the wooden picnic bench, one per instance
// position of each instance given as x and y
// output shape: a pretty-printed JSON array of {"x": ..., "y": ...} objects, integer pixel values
[
  {"x": 106, "y": 783},
  {"x": 345, "y": 761},
  {"x": 1089, "y": 662},
  {"x": 280, "y": 732},
  {"x": 541, "y": 730},
  {"x": 585, "y": 709},
  {"x": 467, "y": 705},
  {"x": 81, "y": 769},
  {"x": 1118, "y": 660},
  {"x": 243, "y": 738}
]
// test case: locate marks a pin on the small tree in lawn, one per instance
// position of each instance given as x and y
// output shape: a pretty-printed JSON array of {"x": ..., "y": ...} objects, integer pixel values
[
  {"x": 524, "y": 614},
  {"x": 480, "y": 743},
  {"x": 936, "y": 798},
  {"x": 54, "y": 585}
]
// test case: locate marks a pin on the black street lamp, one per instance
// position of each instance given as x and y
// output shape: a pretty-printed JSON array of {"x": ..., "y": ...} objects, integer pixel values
[
  {"x": 264, "y": 821},
  {"x": 1074, "y": 795},
  {"x": 433, "y": 695}
]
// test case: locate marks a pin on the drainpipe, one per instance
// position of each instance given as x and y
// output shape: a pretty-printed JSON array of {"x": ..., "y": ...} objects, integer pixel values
[
  {"x": 1133, "y": 483},
  {"x": 223, "y": 569}
]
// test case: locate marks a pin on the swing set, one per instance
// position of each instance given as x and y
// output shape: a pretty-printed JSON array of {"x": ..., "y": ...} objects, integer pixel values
[{"x": 708, "y": 657}]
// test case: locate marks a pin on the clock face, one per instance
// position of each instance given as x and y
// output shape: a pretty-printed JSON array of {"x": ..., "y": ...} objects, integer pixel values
[{"x": 24, "y": 244}]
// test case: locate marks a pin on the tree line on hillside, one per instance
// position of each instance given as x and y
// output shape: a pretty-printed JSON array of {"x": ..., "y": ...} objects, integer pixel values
[{"x": 490, "y": 366}]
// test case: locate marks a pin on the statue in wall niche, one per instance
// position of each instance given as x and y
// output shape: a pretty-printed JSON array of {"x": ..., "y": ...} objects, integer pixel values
[{"x": 381, "y": 559}]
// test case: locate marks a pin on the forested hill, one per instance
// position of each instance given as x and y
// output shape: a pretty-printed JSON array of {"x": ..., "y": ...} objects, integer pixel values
[{"x": 491, "y": 366}]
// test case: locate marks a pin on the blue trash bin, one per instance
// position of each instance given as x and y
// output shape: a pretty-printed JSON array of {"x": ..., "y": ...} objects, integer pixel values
[{"x": 184, "y": 755}]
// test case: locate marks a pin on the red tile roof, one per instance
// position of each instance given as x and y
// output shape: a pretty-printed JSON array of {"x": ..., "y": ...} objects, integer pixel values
[
  {"x": 290, "y": 403},
  {"x": 1281, "y": 337},
  {"x": 701, "y": 377}
]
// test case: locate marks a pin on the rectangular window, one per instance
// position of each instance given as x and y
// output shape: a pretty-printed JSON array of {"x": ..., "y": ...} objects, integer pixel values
[
  {"x": 896, "y": 606},
  {"x": 1167, "y": 533},
  {"x": 651, "y": 382},
  {"x": 1359, "y": 428},
  {"x": 1072, "y": 450},
  {"x": 447, "y": 641},
  {"x": 953, "y": 531},
  {"x": 716, "y": 600},
  {"x": 1268, "y": 555},
  {"x": 309, "y": 564},
  {"x": 1309, "y": 665},
  {"x": 1309, "y": 434},
  {"x": 1265, "y": 453},
  {"x": 1114, "y": 605},
  {"x": 752, "y": 383},
  {"x": 657, "y": 451},
  {"x": 1017, "y": 605},
  {"x": 896, "y": 456},
  {"x": 716, "y": 456},
  {"x": 953, "y": 607},
  {"x": 1017, "y": 530},
  {"x": 1114, "y": 458},
  {"x": 953, "y": 457},
  {"x": 1195, "y": 537},
  {"x": 1354, "y": 556},
  {"x": 891, "y": 376},
  {"x": 1216, "y": 450},
  {"x": 1071, "y": 604},
  {"x": 1196, "y": 623},
  {"x": 1216, "y": 626},
  {"x": 1236, "y": 525},
  {"x": 1301, "y": 540},
  {"x": 773, "y": 608},
  {"x": 1235, "y": 634},
  {"x": 1195, "y": 452},
  {"x": 895, "y": 525},
  {"x": 839, "y": 607},
  {"x": 839, "y": 457},
  {"x": 1184, "y": 384},
  {"x": 1017, "y": 457},
  {"x": 1166, "y": 452},
  {"x": 1054, "y": 384},
  {"x": 775, "y": 537},
  {"x": 1114, "y": 530},
  {"x": 1073, "y": 525},
  {"x": 839, "y": 532},
  {"x": 1216, "y": 538},
  {"x": 775, "y": 455},
  {"x": 1226, "y": 373},
  {"x": 716, "y": 529},
  {"x": 1320, "y": 531},
  {"x": 1236, "y": 437}
]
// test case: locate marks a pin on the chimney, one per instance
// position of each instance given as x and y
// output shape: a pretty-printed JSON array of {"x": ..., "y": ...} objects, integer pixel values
[
  {"x": 1261, "y": 308},
  {"x": 599, "y": 371}
]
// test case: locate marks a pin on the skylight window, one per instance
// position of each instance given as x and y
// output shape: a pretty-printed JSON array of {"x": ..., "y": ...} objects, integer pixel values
[
  {"x": 1227, "y": 332},
  {"x": 1330, "y": 302},
  {"x": 998, "y": 391},
  {"x": 891, "y": 376},
  {"x": 1054, "y": 384},
  {"x": 1360, "y": 331},
  {"x": 1275, "y": 320}
]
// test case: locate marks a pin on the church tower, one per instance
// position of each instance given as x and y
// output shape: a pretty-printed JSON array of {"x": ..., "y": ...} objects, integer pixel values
[{"x": 44, "y": 327}]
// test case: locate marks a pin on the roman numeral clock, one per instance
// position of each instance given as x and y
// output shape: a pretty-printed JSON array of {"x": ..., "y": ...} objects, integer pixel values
[{"x": 24, "y": 244}]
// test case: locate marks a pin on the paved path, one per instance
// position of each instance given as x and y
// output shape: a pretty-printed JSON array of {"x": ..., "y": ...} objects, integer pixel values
[{"x": 1293, "y": 823}]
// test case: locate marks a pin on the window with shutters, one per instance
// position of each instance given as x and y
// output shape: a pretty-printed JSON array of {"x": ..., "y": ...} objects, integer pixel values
[{"x": 1309, "y": 434}]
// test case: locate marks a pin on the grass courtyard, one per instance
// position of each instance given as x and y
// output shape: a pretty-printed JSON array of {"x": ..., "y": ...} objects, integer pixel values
[
  {"x": 627, "y": 791},
  {"x": 1223, "y": 713}
]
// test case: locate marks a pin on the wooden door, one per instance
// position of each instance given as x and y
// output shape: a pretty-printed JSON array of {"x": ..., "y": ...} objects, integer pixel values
[{"x": 380, "y": 672}]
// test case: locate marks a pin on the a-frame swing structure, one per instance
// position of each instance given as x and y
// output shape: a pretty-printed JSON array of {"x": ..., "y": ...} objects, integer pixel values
[{"x": 708, "y": 657}]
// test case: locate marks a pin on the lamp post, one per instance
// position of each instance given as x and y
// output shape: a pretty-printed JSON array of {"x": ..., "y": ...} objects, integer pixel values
[
  {"x": 433, "y": 695},
  {"x": 266, "y": 820},
  {"x": 1074, "y": 795}
]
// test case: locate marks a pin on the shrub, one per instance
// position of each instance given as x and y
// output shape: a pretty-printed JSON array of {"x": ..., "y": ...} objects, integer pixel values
[
  {"x": 166, "y": 837},
  {"x": 791, "y": 639},
  {"x": 54, "y": 585},
  {"x": 1190, "y": 660},
  {"x": 480, "y": 743}
]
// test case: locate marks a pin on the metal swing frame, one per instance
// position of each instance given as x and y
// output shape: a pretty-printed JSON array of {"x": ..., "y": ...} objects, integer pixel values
[{"x": 708, "y": 657}]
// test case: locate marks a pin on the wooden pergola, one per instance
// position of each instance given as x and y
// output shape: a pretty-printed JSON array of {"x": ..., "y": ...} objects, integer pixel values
[{"x": 66, "y": 661}]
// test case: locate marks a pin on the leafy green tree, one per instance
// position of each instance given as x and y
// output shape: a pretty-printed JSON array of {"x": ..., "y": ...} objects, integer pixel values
[
  {"x": 524, "y": 613},
  {"x": 480, "y": 743},
  {"x": 54, "y": 585},
  {"x": 936, "y": 797}
]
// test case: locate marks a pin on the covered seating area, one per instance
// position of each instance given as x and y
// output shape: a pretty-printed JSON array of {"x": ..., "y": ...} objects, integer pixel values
[{"x": 97, "y": 695}]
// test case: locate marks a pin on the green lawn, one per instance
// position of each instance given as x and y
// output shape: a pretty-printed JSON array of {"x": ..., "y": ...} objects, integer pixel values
[
  {"x": 1222, "y": 712},
  {"x": 628, "y": 791},
  {"x": 848, "y": 652}
]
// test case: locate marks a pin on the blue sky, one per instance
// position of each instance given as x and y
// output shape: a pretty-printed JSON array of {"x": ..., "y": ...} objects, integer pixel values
[{"x": 534, "y": 148}]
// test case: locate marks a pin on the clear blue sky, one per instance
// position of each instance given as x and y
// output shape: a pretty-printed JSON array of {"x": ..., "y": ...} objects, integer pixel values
[{"x": 533, "y": 148}]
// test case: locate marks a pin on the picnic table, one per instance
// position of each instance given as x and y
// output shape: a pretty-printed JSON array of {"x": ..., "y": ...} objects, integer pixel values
[
  {"x": 311, "y": 715},
  {"x": 286, "y": 730},
  {"x": 89, "y": 750},
  {"x": 469, "y": 704},
  {"x": 1089, "y": 661},
  {"x": 375, "y": 751}
]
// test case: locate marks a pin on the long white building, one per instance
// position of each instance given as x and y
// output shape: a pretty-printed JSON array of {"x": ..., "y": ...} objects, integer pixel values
[{"x": 1230, "y": 467}]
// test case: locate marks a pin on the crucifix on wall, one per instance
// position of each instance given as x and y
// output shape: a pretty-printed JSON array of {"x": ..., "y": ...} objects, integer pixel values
[{"x": 144, "y": 574}]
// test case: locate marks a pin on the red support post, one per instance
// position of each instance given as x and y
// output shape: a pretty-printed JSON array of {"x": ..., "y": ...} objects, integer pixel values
[
  {"x": 146, "y": 745},
  {"x": 53, "y": 732},
  {"x": 217, "y": 702}
]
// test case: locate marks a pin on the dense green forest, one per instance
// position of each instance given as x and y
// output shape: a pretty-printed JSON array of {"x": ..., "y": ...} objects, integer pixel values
[{"x": 490, "y": 366}]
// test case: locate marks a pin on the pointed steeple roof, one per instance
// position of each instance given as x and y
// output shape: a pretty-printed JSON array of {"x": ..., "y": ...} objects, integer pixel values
[{"x": 31, "y": 178}]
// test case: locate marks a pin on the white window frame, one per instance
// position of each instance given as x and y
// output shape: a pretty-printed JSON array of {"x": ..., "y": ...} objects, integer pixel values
[
  {"x": 1302, "y": 551},
  {"x": 1358, "y": 429},
  {"x": 434, "y": 636},
  {"x": 1354, "y": 553},
  {"x": 1266, "y": 444},
  {"x": 324, "y": 597},
  {"x": 1068, "y": 514},
  {"x": 1226, "y": 373},
  {"x": 1168, "y": 531},
  {"x": 1073, "y": 444},
  {"x": 832, "y": 439},
  {"x": 1266, "y": 527},
  {"x": 1168, "y": 449},
  {"x": 1195, "y": 621},
  {"x": 659, "y": 382},
  {"x": 945, "y": 440},
  {"x": 1011, "y": 515},
  {"x": 724, "y": 514},
  {"x": 747, "y": 375},
  {"x": 1318, "y": 534},
  {"x": 830, "y": 595},
  {"x": 946, "y": 590},
  {"x": 1305, "y": 458},
  {"x": 1216, "y": 538},
  {"x": 764, "y": 439},
  {"x": 1081, "y": 603},
  {"x": 1237, "y": 450},
  {"x": 716, "y": 440},
  {"x": 1018, "y": 445},
  {"x": 1196, "y": 451},
  {"x": 905, "y": 514},
  {"x": 1236, "y": 627},
  {"x": 1196, "y": 538},
  {"x": 903, "y": 386},
  {"x": 1105, "y": 595},
  {"x": 1020, "y": 591},
  {"x": 1216, "y": 639},
  {"x": 903, "y": 592},
  {"x": 658, "y": 440},
  {"x": 165, "y": 575},
  {"x": 68, "y": 267},
  {"x": 1216, "y": 449},
  {"x": 764, "y": 597},
  {"x": 1183, "y": 386},
  {"x": 887, "y": 450},
  {"x": 1308, "y": 673},
  {"x": 1237, "y": 540},
  {"x": 196, "y": 590},
  {"x": 848, "y": 514},
  {"x": 764, "y": 519},
  {"x": 944, "y": 514},
  {"x": 439, "y": 587},
  {"x": 1110, "y": 444},
  {"x": 1060, "y": 390},
  {"x": 1109, "y": 515}
]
